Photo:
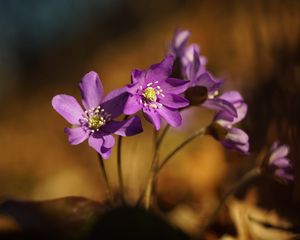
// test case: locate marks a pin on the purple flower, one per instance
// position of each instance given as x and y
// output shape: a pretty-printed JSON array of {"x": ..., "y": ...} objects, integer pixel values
[
  {"x": 203, "y": 87},
  {"x": 278, "y": 164},
  {"x": 96, "y": 123},
  {"x": 156, "y": 94},
  {"x": 231, "y": 137},
  {"x": 179, "y": 42}
]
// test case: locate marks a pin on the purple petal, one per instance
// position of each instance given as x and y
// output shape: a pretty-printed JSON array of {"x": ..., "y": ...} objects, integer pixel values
[
  {"x": 174, "y": 85},
  {"x": 108, "y": 141},
  {"x": 207, "y": 80},
  {"x": 281, "y": 162},
  {"x": 232, "y": 96},
  {"x": 91, "y": 90},
  {"x": 132, "y": 105},
  {"x": 190, "y": 53},
  {"x": 76, "y": 135},
  {"x": 281, "y": 152},
  {"x": 221, "y": 105},
  {"x": 128, "y": 127},
  {"x": 138, "y": 76},
  {"x": 237, "y": 135},
  {"x": 174, "y": 101},
  {"x": 115, "y": 101},
  {"x": 284, "y": 175},
  {"x": 172, "y": 116},
  {"x": 98, "y": 145},
  {"x": 179, "y": 40},
  {"x": 68, "y": 107},
  {"x": 152, "y": 116},
  {"x": 105, "y": 152},
  {"x": 160, "y": 71},
  {"x": 236, "y": 139},
  {"x": 225, "y": 118}
]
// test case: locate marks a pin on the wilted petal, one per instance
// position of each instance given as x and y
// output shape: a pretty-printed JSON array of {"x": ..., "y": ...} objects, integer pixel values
[
  {"x": 128, "y": 127},
  {"x": 174, "y": 85},
  {"x": 153, "y": 117},
  {"x": 160, "y": 71},
  {"x": 91, "y": 90},
  {"x": 174, "y": 101},
  {"x": 115, "y": 101},
  {"x": 172, "y": 116},
  {"x": 76, "y": 135},
  {"x": 68, "y": 107},
  {"x": 132, "y": 105}
]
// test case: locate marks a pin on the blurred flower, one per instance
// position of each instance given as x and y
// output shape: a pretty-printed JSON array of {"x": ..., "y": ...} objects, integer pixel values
[
  {"x": 221, "y": 129},
  {"x": 203, "y": 87},
  {"x": 156, "y": 94},
  {"x": 95, "y": 123},
  {"x": 278, "y": 164}
]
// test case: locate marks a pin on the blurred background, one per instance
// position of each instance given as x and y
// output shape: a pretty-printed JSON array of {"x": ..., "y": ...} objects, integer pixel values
[{"x": 47, "y": 46}]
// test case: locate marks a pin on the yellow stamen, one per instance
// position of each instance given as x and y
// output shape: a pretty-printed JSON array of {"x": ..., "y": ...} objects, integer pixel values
[
  {"x": 150, "y": 94},
  {"x": 96, "y": 122}
]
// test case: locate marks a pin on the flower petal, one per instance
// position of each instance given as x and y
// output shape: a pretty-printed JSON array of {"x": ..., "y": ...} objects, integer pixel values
[
  {"x": 218, "y": 104},
  {"x": 108, "y": 141},
  {"x": 68, "y": 107},
  {"x": 91, "y": 90},
  {"x": 115, "y": 101},
  {"x": 128, "y": 127},
  {"x": 98, "y": 145},
  {"x": 76, "y": 135},
  {"x": 207, "y": 80},
  {"x": 138, "y": 76},
  {"x": 172, "y": 116},
  {"x": 236, "y": 139},
  {"x": 160, "y": 71},
  {"x": 132, "y": 105},
  {"x": 152, "y": 116},
  {"x": 179, "y": 40},
  {"x": 174, "y": 85},
  {"x": 281, "y": 162},
  {"x": 174, "y": 101},
  {"x": 281, "y": 152}
]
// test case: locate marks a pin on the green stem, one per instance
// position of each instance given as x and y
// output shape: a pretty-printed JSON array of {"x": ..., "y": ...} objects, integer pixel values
[
  {"x": 108, "y": 188},
  {"x": 244, "y": 180}
]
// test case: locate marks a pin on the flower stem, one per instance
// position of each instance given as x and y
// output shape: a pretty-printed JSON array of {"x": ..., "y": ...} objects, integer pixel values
[
  {"x": 200, "y": 132},
  {"x": 162, "y": 136},
  {"x": 253, "y": 173},
  {"x": 119, "y": 165},
  {"x": 108, "y": 188},
  {"x": 151, "y": 180}
]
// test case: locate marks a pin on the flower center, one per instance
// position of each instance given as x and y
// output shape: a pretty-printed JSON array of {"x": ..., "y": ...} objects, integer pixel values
[
  {"x": 96, "y": 121},
  {"x": 95, "y": 118},
  {"x": 150, "y": 94}
]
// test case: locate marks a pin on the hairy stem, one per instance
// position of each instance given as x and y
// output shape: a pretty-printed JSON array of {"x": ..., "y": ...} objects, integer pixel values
[{"x": 244, "y": 180}]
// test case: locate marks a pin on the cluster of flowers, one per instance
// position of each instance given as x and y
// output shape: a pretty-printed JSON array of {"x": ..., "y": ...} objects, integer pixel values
[{"x": 178, "y": 81}]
